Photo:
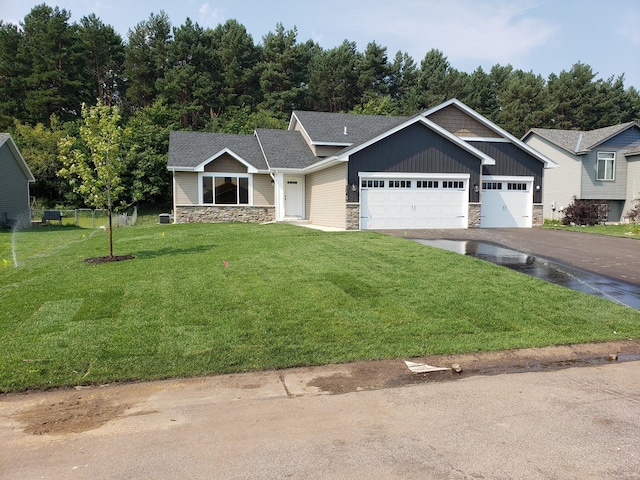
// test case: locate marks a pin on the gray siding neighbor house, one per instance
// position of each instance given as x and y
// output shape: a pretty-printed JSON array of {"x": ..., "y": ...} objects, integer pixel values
[
  {"x": 15, "y": 177},
  {"x": 602, "y": 165},
  {"x": 448, "y": 167}
]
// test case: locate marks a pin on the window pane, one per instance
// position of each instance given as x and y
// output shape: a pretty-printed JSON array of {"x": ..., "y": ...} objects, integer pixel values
[
  {"x": 606, "y": 165},
  {"x": 207, "y": 190},
  {"x": 226, "y": 190},
  {"x": 243, "y": 190}
]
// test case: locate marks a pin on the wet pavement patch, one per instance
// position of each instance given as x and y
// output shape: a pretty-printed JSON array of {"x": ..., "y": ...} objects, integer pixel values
[{"x": 545, "y": 269}]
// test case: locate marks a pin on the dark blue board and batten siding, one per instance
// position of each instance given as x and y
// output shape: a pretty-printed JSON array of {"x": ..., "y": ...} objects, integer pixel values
[
  {"x": 513, "y": 162},
  {"x": 415, "y": 149}
]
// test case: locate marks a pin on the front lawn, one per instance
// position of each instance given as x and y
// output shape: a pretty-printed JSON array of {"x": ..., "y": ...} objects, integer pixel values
[
  {"x": 620, "y": 230},
  {"x": 203, "y": 299}
]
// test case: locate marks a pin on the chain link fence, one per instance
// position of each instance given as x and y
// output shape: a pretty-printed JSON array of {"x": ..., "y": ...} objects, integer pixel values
[{"x": 94, "y": 218}]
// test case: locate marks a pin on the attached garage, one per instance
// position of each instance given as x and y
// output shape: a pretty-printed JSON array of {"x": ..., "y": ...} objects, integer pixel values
[
  {"x": 507, "y": 202},
  {"x": 410, "y": 201}
]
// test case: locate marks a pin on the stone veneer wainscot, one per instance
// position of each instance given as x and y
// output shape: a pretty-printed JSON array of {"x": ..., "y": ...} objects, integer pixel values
[{"x": 221, "y": 214}]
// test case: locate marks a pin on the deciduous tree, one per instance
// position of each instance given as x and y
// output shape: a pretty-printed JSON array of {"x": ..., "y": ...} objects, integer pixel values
[{"x": 93, "y": 162}]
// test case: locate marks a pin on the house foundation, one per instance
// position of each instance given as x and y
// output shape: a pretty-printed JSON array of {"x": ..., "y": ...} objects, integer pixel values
[{"x": 224, "y": 214}]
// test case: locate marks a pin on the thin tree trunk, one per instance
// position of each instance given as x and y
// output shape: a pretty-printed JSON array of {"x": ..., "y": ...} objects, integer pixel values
[{"x": 110, "y": 234}]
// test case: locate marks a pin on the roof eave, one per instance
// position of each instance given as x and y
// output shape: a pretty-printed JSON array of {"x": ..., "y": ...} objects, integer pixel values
[{"x": 200, "y": 167}]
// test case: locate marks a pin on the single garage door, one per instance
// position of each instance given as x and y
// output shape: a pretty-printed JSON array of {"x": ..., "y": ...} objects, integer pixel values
[
  {"x": 425, "y": 202},
  {"x": 507, "y": 202}
]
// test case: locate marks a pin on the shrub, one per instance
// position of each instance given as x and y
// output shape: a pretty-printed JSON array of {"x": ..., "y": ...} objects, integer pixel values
[{"x": 585, "y": 212}]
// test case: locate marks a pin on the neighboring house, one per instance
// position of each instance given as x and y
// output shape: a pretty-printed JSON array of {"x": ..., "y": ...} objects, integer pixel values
[
  {"x": 448, "y": 167},
  {"x": 602, "y": 164},
  {"x": 15, "y": 177}
]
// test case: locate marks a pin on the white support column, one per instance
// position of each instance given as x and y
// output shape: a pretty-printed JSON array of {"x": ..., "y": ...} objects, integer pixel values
[{"x": 278, "y": 186}]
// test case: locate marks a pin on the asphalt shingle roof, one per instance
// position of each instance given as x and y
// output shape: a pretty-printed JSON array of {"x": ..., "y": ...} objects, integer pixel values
[
  {"x": 285, "y": 148},
  {"x": 189, "y": 149},
  {"x": 576, "y": 141},
  {"x": 329, "y": 128}
]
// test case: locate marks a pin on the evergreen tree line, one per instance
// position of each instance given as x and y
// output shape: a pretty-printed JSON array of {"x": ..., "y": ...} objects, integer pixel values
[{"x": 166, "y": 78}]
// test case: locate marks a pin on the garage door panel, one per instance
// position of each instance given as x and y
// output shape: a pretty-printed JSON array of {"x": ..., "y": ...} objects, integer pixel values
[
  {"x": 504, "y": 208},
  {"x": 395, "y": 208}
]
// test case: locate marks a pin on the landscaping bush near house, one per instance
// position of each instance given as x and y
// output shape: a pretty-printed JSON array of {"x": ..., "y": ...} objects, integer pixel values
[
  {"x": 202, "y": 299},
  {"x": 634, "y": 214},
  {"x": 585, "y": 212}
]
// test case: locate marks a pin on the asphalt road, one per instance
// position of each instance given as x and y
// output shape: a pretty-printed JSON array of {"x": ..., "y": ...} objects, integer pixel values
[{"x": 574, "y": 423}]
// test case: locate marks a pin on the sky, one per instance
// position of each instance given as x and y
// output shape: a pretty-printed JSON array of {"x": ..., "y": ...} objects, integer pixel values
[{"x": 541, "y": 36}]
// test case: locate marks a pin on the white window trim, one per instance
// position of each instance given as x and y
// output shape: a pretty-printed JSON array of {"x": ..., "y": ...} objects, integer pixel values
[
  {"x": 224, "y": 174},
  {"x": 613, "y": 169}
]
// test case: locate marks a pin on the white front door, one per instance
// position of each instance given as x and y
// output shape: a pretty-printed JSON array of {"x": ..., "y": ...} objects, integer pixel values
[
  {"x": 294, "y": 197},
  {"x": 507, "y": 202}
]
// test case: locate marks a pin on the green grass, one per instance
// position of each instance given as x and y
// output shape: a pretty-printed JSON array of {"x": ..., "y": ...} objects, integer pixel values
[
  {"x": 290, "y": 296},
  {"x": 621, "y": 230}
]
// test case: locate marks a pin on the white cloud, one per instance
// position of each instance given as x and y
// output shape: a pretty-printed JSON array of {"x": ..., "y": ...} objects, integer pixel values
[
  {"x": 210, "y": 16},
  {"x": 480, "y": 30}
]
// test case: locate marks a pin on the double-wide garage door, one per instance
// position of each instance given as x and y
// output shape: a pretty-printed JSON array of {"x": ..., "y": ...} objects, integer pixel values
[{"x": 424, "y": 202}]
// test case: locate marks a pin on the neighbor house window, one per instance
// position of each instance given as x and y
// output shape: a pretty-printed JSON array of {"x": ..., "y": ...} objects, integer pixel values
[
  {"x": 606, "y": 165},
  {"x": 225, "y": 189}
]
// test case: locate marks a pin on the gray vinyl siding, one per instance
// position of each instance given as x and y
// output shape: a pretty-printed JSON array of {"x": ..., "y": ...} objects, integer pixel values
[
  {"x": 14, "y": 188},
  {"x": 616, "y": 189},
  {"x": 593, "y": 189},
  {"x": 560, "y": 184},
  {"x": 415, "y": 149},
  {"x": 513, "y": 162},
  {"x": 325, "y": 197}
]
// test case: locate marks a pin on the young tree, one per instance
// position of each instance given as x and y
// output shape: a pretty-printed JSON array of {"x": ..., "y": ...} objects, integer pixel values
[{"x": 92, "y": 163}]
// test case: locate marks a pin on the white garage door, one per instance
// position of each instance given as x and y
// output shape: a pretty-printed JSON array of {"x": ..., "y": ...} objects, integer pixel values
[
  {"x": 389, "y": 203},
  {"x": 507, "y": 202}
]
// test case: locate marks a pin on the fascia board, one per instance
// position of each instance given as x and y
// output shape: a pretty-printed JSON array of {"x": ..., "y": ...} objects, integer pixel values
[
  {"x": 332, "y": 144},
  {"x": 300, "y": 171},
  {"x": 200, "y": 166},
  {"x": 303, "y": 131},
  {"x": 324, "y": 163},
  {"x": 548, "y": 163}
]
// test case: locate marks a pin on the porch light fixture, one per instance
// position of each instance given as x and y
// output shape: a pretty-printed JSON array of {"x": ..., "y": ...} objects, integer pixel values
[
  {"x": 475, "y": 188},
  {"x": 537, "y": 187},
  {"x": 353, "y": 187}
]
